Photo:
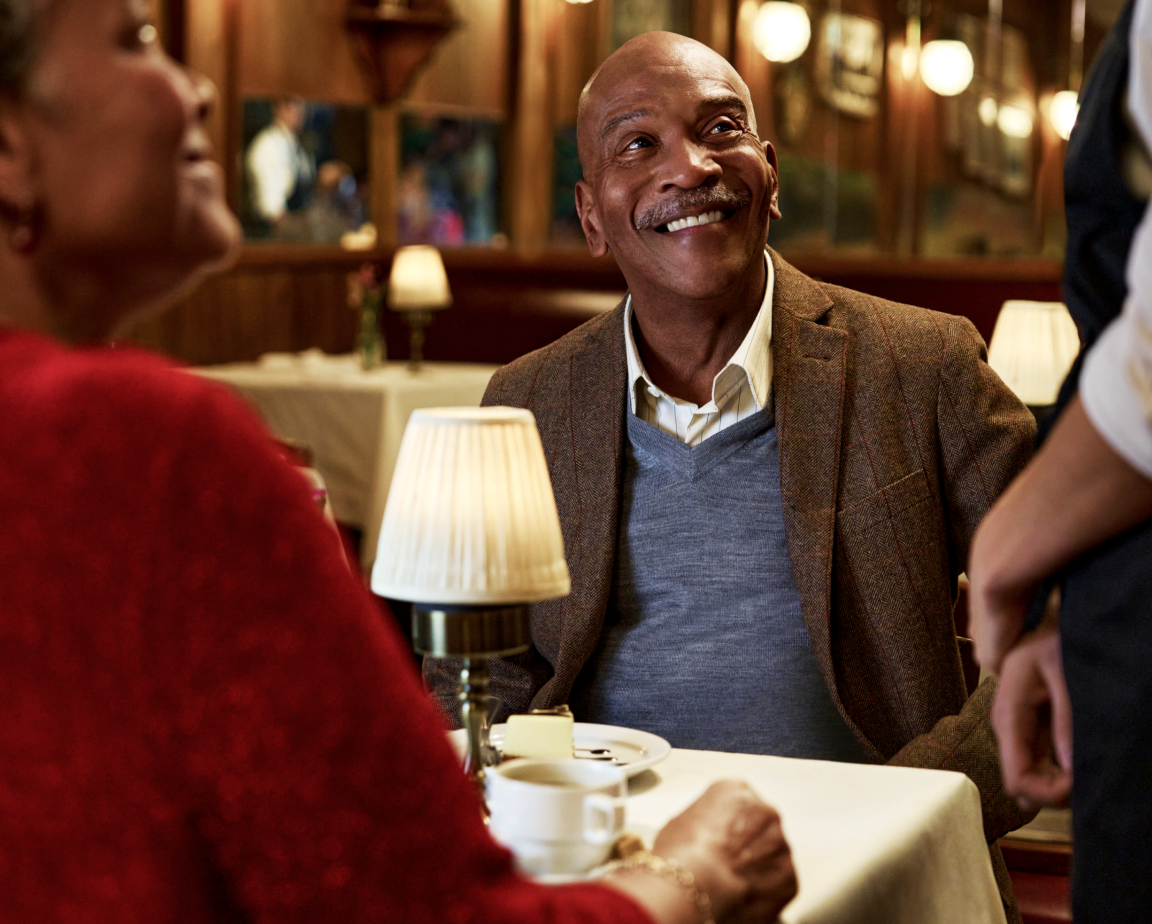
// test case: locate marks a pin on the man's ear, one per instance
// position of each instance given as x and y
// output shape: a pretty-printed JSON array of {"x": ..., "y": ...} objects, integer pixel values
[
  {"x": 17, "y": 190},
  {"x": 590, "y": 220},
  {"x": 774, "y": 180}
]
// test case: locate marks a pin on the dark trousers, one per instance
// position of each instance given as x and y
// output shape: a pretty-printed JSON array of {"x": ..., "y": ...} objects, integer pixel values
[{"x": 1106, "y": 625}]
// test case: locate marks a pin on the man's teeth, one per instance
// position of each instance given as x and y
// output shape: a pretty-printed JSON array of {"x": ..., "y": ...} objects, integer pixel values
[{"x": 693, "y": 220}]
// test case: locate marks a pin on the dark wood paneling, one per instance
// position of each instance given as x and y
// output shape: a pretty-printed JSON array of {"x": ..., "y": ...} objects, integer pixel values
[
  {"x": 974, "y": 287},
  {"x": 507, "y": 304}
]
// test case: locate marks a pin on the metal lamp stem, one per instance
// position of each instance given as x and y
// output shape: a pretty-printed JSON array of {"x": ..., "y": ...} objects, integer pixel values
[{"x": 474, "y": 717}]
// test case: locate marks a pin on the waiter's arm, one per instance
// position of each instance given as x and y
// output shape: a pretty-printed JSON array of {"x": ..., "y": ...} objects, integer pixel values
[{"x": 1077, "y": 492}]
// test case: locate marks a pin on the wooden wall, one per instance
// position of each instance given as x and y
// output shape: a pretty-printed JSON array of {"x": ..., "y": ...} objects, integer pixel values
[
  {"x": 523, "y": 62},
  {"x": 506, "y": 304}
]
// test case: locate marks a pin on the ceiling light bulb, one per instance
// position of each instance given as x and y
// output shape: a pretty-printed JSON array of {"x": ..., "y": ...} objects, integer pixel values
[
  {"x": 781, "y": 30},
  {"x": 1063, "y": 111},
  {"x": 1014, "y": 121},
  {"x": 988, "y": 111},
  {"x": 946, "y": 66}
]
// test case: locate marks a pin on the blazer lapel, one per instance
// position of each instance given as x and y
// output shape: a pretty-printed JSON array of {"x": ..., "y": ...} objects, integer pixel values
[
  {"x": 589, "y": 499},
  {"x": 808, "y": 383}
]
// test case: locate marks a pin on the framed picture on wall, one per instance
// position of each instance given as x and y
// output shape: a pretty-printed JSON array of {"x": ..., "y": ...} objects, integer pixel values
[
  {"x": 305, "y": 171},
  {"x": 850, "y": 63}
]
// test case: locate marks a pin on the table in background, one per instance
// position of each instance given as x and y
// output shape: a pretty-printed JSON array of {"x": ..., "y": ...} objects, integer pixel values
[
  {"x": 871, "y": 844},
  {"x": 352, "y": 420}
]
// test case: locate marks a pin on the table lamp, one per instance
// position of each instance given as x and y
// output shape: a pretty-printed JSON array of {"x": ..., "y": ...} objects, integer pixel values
[
  {"x": 1033, "y": 346},
  {"x": 417, "y": 287},
  {"x": 471, "y": 536}
]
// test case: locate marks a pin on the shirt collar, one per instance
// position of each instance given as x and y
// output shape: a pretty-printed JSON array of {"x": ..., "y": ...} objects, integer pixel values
[{"x": 752, "y": 361}]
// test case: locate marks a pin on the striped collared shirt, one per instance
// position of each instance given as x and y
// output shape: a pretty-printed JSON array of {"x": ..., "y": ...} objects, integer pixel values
[{"x": 740, "y": 389}]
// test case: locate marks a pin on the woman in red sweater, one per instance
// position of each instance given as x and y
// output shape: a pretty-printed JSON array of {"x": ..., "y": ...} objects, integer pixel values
[{"x": 202, "y": 717}]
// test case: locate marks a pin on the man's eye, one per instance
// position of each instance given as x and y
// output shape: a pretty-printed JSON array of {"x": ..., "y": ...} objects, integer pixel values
[
  {"x": 637, "y": 144},
  {"x": 725, "y": 126}
]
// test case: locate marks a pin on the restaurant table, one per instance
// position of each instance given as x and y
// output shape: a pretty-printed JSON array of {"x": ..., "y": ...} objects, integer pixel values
[
  {"x": 871, "y": 844},
  {"x": 352, "y": 420}
]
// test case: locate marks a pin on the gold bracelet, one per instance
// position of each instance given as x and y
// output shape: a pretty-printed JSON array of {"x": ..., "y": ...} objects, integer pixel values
[{"x": 669, "y": 871}]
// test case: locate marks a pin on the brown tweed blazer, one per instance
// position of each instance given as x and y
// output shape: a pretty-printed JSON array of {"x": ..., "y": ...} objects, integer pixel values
[{"x": 895, "y": 438}]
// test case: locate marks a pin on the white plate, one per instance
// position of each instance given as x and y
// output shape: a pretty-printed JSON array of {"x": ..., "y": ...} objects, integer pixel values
[{"x": 635, "y": 751}]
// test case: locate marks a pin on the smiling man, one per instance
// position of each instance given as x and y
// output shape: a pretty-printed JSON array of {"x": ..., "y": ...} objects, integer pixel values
[{"x": 767, "y": 485}]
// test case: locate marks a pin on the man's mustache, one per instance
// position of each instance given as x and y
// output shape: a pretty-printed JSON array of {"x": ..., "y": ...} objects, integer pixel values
[{"x": 701, "y": 199}]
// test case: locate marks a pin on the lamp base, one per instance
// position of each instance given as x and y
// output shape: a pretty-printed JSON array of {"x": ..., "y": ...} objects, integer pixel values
[
  {"x": 418, "y": 320},
  {"x": 442, "y": 631},
  {"x": 474, "y": 634}
]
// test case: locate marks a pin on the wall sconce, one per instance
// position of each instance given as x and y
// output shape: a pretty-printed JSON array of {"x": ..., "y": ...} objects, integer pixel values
[
  {"x": 394, "y": 40},
  {"x": 946, "y": 66},
  {"x": 1065, "y": 105},
  {"x": 781, "y": 30},
  {"x": 1063, "y": 109},
  {"x": 1014, "y": 121},
  {"x": 988, "y": 110}
]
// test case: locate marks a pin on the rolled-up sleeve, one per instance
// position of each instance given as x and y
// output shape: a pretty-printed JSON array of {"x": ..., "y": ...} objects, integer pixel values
[{"x": 1116, "y": 384}]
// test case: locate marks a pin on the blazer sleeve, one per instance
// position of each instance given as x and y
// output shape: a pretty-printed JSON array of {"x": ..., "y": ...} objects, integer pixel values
[
  {"x": 986, "y": 437},
  {"x": 986, "y": 434}
]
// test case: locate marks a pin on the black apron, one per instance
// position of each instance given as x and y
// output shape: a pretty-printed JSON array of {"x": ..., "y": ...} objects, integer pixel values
[{"x": 1106, "y": 615}]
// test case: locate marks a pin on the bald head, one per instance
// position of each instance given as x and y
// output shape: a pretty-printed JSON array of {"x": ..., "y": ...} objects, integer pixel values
[{"x": 649, "y": 54}]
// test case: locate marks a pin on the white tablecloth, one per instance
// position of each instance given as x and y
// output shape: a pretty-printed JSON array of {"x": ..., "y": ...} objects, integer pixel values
[
  {"x": 872, "y": 845},
  {"x": 353, "y": 420}
]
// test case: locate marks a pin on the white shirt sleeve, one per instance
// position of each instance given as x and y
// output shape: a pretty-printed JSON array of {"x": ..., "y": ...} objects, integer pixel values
[
  {"x": 272, "y": 171},
  {"x": 1116, "y": 382}
]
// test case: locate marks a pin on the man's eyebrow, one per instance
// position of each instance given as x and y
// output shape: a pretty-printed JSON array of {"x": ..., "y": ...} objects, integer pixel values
[
  {"x": 715, "y": 102},
  {"x": 621, "y": 119},
  {"x": 726, "y": 102}
]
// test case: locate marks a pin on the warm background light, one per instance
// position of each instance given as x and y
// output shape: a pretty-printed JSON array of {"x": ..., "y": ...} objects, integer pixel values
[
  {"x": 946, "y": 66},
  {"x": 781, "y": 31},
  {"x": 1032, "y": 349},
  {"x": 1063, "y": 111},
  {"x": 418, "y": 280},
  {"x": 1014, "y": 121},
  {"x": 471, "y": 518},
  {"x": 988, "y": 111}
]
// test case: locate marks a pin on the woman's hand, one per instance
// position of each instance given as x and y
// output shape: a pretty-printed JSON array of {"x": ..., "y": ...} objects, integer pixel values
[{"x": 732, "y": 842}]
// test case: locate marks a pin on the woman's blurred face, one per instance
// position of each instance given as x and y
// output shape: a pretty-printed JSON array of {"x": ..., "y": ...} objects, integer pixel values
[{"x": 122, "y": 168}]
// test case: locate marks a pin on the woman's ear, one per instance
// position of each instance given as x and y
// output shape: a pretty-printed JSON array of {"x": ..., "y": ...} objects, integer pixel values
[{"x": 17, "y": 188}]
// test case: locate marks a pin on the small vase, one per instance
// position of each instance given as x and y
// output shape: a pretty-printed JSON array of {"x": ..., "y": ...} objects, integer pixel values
[{"x": 370, "y": 342}]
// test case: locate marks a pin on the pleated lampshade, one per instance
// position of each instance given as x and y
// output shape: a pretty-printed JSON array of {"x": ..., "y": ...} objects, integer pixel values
[
  {"x": 418, "y": 280},
  {"x": 1032, "y": 349},
  {"x": 471, "y": 518}
]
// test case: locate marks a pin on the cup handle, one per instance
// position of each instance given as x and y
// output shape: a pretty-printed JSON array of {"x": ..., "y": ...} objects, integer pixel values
[{"x": 600, "y": 812}]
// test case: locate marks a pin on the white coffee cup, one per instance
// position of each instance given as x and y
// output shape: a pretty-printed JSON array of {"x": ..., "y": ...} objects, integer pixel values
[{"x": 556, "y": 816}]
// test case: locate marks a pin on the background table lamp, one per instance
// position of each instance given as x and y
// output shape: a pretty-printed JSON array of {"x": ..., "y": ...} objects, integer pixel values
[
  {"x": 1033, "y": 347},
  {"x": 417, "y": 287},
  {"x": 471, "y": 536}
]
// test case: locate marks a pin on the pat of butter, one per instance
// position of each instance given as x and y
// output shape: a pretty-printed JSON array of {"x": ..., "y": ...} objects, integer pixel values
[{"x": 538, "y": 736}]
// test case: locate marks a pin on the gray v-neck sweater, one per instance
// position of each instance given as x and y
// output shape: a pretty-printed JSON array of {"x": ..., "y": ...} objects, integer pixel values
[{"x": 704, "y": 642}]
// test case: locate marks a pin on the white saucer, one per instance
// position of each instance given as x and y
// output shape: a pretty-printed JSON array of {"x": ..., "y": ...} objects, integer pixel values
[{"x": 635, "y": 751}]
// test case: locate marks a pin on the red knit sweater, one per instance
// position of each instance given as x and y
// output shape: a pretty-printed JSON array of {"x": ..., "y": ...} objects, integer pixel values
[{"x": 202, "y": 715}]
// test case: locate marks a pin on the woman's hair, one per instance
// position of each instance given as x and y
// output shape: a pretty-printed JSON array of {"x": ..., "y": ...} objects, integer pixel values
[{"x": 18, "y": 22}]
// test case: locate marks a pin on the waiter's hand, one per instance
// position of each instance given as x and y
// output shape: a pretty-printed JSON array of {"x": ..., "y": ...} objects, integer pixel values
[
  {"x": 1032, "y": 717},
  {"x": 998, "y": 598}
]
